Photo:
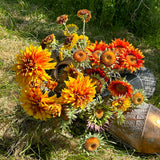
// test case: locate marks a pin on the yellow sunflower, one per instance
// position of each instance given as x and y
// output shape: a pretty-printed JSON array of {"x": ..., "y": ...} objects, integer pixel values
[
  {"x": 31, "y": 64},
  {"x": 137, "y": 98},
  {"x": 70, "y": 29},
  {"x": 122, "y": 103},
  {"x": 82, "y": 37},
  {"x": 79, "y": 91},
  {"x": 70, "y": 41},
  {"x": 39, "y": 105},
  {"x": 120, "y": 88},
  {"x": 49, "y": 39}
]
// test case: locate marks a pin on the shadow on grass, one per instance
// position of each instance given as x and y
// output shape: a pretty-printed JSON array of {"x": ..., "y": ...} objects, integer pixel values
[{"x": 26, "y": 136}]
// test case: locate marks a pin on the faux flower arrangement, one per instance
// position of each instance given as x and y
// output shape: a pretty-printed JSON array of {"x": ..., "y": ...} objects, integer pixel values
[{"x": 78, "y": 84}]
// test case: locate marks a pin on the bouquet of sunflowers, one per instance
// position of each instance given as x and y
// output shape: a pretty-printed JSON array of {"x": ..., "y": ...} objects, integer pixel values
[{"x": 79, "y": 84}]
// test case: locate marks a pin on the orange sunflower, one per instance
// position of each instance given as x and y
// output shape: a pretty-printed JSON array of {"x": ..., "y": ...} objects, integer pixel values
[
  {"x": 31, "y": 64},
  {"x": 79, "y": 91},
  {"x": 120, "y": 88},
  {"x": 121, "y": 47},
  {"x": 62, "y": 19},
  {"x": 80, "y": 56},
  {"x": 39, "y": 105},
  {"x": 84, "y": 14},
  {"x": 108, "y": 58},
  {"x": 91, "y": 144},
  {"x": 133, "y": 60},
  {"x": 97, "y": 46}
]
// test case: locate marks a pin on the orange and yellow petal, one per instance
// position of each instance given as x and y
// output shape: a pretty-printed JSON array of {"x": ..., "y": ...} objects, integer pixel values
[{"x": 79, "y": 92}]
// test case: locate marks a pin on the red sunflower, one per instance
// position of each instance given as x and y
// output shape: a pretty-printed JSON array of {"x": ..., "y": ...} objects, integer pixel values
[
  {"x": 121, "y": 47},
  {"x": 120, "y": 88},
  {"x": 133, "y": 60}
]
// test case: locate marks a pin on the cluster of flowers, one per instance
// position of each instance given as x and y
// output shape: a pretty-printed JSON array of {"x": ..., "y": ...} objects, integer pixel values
[{"x": 68, "y": 82}]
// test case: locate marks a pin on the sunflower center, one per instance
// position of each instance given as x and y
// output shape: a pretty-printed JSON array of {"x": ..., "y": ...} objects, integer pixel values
[
  {"x": 131, "y": 59},
  {"x": 138, "y": 98},
  {"x": 119, "y": 46},
  {"x": 80, "y": 56},
  {"x": 108, "y": 58},
  {"x": 29, "y": 65},
  {"x": 68, "y": 40},
  {"x": 121, "y": 88},
  {"x": 93, "y": 146}
]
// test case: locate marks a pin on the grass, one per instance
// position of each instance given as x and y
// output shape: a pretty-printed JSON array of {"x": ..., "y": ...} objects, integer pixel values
[{"x": 21, "y": 137}]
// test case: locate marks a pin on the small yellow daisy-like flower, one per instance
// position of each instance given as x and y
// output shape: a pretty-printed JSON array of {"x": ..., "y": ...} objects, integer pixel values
[
  {"x": 79, "y": 91},
  {"x": 137, "y": 98},
  {"x": 81, "y": 39},
  {"x": 31, "y": 64},
  {"x": 39, "y": 105},
  {"x": 70, "y": 41},
  {"x": 91, "y": 144},
  {"x": 122, "y": 103},
  {"x": 70, "y": 29}
]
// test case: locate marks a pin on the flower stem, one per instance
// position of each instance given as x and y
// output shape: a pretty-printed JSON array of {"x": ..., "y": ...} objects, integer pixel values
[
  {"x": 84, "y": 32},
  {"x": 67, "y": 29}
]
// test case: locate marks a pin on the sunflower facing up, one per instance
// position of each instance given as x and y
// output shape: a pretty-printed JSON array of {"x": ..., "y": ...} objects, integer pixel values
[
  {"x": 133, "y": 60},
  {"x": 91, "y": 142},
  {"x": 138, "y": 97},
  {"x": 121, "y": 103},
  {"x": 31, "y": 64},
  {"x": 120, "y": 88},
  {"x": 78, "y": 92},
  {"x": 39, "y": 105}
]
